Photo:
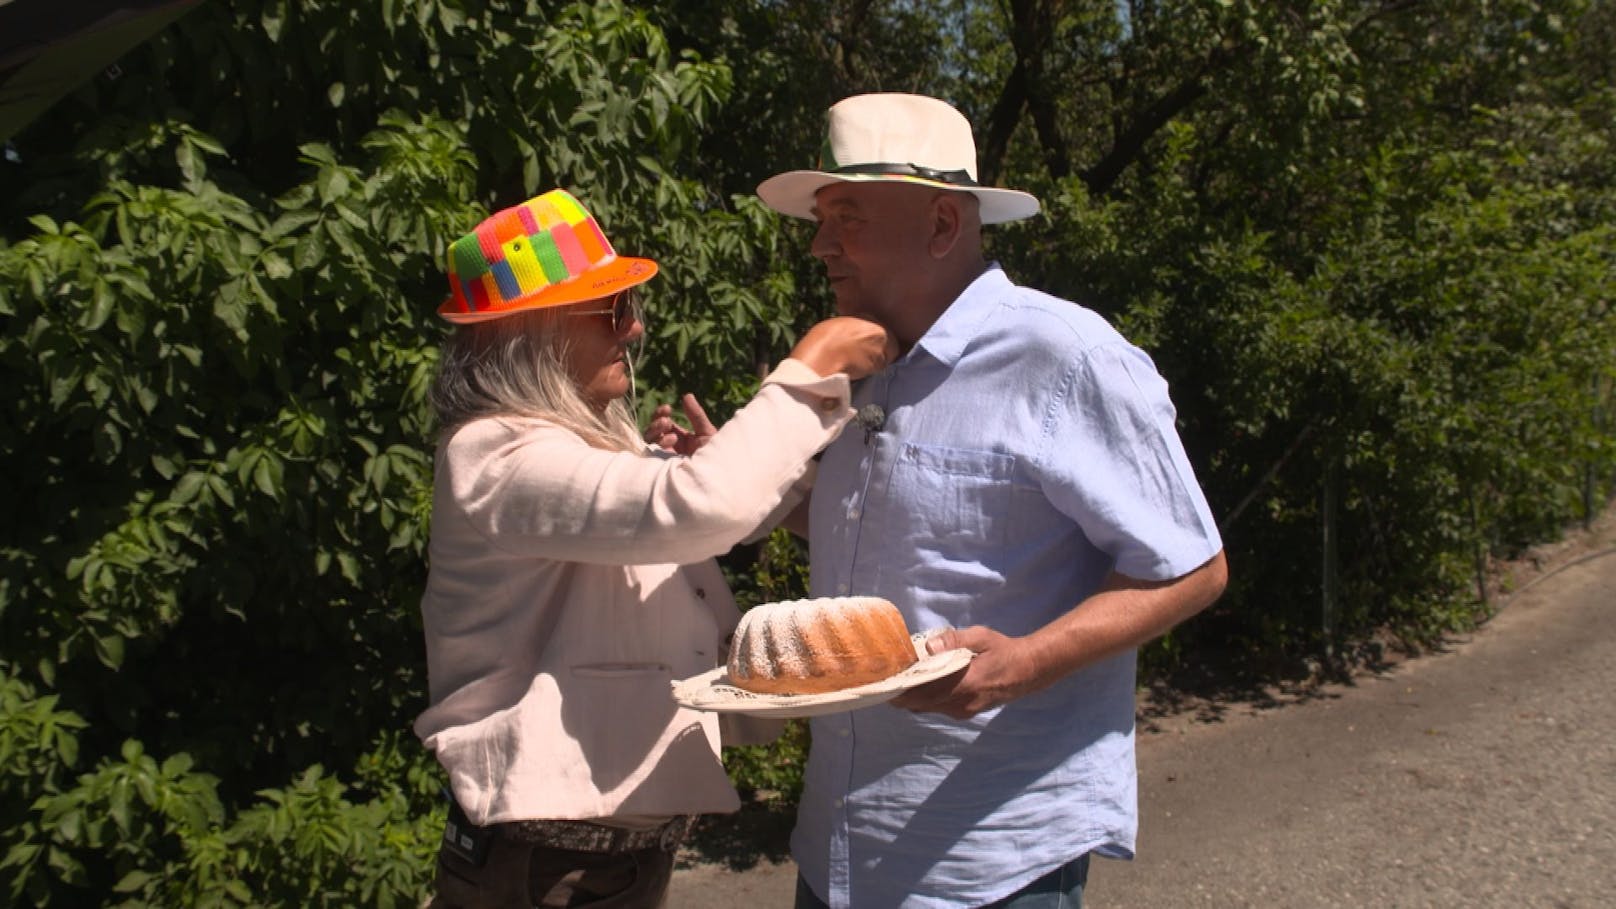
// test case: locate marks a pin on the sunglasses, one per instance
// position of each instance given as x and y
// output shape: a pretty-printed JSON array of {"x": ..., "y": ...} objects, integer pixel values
[{"x": 625, "y": 311}]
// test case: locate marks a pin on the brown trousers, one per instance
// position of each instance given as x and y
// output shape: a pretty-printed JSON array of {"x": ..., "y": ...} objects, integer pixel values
[{"x": 521, "y": 875}]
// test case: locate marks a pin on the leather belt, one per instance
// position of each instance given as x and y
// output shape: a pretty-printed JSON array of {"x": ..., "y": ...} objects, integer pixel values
[{"x": 583, "y": 836}]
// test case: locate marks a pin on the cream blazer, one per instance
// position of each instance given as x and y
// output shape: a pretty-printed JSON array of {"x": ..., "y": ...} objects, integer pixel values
[{"x": 568, "y": 586}]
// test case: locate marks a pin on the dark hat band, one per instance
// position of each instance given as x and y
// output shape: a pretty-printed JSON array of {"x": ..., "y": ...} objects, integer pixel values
[{"x": 951, "y": 177}]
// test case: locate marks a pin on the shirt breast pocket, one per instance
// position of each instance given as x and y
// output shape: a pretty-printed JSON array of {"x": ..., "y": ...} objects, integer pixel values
[{"x": 956, "y": 502}]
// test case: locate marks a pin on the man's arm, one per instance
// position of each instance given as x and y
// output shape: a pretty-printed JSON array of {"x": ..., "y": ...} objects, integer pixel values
[{"x": 1123, "y": 614}]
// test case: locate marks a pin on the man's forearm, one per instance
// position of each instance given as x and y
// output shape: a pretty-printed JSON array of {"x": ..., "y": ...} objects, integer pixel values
[{"x": 1124, "y": 614}]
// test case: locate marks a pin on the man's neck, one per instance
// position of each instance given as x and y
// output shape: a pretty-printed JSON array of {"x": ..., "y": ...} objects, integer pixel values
[{"x": 938, "y": 298}]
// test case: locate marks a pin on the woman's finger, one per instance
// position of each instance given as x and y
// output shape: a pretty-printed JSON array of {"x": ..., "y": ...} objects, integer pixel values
[{"x": 699, "y": 424}]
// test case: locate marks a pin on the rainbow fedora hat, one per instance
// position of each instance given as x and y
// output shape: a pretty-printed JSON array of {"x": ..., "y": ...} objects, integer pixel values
[{"x": 548, "y": 251}]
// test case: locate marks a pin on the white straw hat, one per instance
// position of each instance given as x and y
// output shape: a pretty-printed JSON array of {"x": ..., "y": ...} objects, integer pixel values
[{"x": 895, "y": 137}]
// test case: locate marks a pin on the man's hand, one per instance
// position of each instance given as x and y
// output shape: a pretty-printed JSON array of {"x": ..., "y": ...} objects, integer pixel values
[
  {"x": 1001, "y": 671},
  {"x": 663, "y": 432}
]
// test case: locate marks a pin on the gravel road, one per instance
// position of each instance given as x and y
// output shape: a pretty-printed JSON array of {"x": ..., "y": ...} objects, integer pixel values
[{"x": 1480, "y": 776}]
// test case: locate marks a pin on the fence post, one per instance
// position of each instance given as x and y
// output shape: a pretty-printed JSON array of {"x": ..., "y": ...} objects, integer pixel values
[
  {"x": 1480, "y": 538},
  {"x": 1331, "y": 595},
  {"x": 1590, "y": 470}
]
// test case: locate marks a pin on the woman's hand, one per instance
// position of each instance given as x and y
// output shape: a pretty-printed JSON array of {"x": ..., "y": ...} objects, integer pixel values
[
  {"x": 846, "y": 344},
  {"x": 663, "y": 432}
]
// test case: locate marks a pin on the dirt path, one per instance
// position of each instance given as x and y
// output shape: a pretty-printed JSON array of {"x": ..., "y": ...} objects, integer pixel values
[{"x": 1483, "y": 775}]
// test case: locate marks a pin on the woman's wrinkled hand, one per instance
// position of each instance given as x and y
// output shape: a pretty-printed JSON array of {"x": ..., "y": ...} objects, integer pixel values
[
  {"x": 664, "y": 432},
  {"x": 846, "y": 344}
]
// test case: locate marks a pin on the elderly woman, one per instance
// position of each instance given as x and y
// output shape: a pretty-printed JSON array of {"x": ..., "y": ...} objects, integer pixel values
[{"x": 572, "y": 574}]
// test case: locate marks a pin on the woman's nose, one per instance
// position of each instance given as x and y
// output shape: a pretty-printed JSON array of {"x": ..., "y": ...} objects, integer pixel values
[{"x": 633, "y": 331}]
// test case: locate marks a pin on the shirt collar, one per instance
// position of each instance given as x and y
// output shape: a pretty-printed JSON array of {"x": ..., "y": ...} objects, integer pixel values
[{"x": 960, "y": 322}]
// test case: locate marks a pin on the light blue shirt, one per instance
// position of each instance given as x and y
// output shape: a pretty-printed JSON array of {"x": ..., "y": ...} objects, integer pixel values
[{"x": 1027, "y": 451}]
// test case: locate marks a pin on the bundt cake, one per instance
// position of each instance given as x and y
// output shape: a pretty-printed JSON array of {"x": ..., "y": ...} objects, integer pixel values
[{"x": 817, "y": 646}]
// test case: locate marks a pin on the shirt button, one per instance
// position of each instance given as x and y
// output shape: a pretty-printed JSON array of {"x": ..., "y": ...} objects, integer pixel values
[
  {"x": 852, "y": 514},
  {"x": 842, "y": 587},
  {"x": 841, "y": 803},
  {"x": 844, "y": 732}
]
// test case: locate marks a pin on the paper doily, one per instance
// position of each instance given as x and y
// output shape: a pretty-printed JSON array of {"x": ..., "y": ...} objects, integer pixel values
[{"x": 712, "y": 692}]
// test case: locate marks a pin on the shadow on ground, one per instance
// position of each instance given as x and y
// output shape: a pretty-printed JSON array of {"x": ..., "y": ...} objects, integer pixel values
[
  {"x": 1209, "y": 688},
  {"x": 759, "y": 832}
]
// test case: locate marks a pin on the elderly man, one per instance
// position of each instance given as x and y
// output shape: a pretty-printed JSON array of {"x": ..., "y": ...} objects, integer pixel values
[{"x": 1018, "y": 481}]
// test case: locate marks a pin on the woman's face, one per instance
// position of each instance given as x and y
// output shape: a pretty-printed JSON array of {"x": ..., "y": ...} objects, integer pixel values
[{"x": 599, "y": 333}]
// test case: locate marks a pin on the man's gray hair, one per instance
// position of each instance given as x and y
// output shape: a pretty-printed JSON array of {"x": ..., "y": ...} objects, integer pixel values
[{"x": 516, "y": 366}]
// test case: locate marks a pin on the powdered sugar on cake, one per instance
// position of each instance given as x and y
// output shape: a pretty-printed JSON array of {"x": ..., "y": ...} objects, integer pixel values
[{"x": 819, "y": 645}]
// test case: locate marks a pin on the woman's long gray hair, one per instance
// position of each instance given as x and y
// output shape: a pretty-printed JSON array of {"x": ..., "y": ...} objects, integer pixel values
[{"x": 516, "y": 366}]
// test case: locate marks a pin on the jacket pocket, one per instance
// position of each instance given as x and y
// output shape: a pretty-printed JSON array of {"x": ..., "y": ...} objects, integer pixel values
[{"x": 621, "y": 715}]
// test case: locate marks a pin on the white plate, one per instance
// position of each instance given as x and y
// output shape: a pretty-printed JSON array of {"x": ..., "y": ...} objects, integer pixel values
[{"x": 712, "y": 692}]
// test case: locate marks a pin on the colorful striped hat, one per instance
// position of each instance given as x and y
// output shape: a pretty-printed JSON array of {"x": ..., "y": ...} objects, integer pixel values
[{"x": 548, "y": 251}]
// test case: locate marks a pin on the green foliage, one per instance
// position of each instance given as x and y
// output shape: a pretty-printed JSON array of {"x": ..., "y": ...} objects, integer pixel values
[
  {"x": 1368, "y": 243},
  {"x": 1384, "y": 317},
  {"x": 149, "y": 833},
  {"x": 217, "y": 302},
  {"x": 772, "y": 772},
  {"x": 223, "y": 480},
  {"x": 776, "y": 569}
]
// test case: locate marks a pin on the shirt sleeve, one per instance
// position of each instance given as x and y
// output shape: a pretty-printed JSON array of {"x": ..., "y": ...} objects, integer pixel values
[
  {"x": 1111, "y": 459},
  {"x": 533, "y": 489}
]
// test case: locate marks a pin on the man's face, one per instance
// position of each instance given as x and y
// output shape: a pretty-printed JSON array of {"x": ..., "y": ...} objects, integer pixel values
[{"x": 873, "y": 240}]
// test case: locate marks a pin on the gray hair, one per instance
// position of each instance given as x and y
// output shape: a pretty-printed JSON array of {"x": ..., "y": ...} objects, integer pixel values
[{"x": 516, "y": 366}]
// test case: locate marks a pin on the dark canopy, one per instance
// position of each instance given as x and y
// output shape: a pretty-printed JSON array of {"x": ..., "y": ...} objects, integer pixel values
[{"x": 48, "y": 47}]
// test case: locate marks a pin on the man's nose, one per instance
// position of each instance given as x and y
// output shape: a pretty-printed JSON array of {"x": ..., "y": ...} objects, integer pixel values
[{"x": 824, "y": 243}]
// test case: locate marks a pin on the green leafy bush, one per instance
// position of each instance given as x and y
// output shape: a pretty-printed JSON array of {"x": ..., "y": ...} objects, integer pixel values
[{"x": 1369, "y": 244}]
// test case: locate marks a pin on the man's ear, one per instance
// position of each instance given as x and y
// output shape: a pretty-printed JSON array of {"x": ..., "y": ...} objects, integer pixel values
[{"x": 947, "y": 222}]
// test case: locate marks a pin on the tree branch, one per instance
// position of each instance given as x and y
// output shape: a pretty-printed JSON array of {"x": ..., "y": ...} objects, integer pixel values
[
  {"x": 1032, "y": 27},
  {"x": 1388, "y": 8},
  {"x": 1131, "y": 141},
  {"x": 1001, "y": 124}
]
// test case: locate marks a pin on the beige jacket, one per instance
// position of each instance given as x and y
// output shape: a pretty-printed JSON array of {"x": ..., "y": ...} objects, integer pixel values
[{"x": 569, "y": 586}]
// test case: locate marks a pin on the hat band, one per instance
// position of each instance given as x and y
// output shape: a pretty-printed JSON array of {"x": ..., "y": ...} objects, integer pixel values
[{"x": 951, "y": 177}]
